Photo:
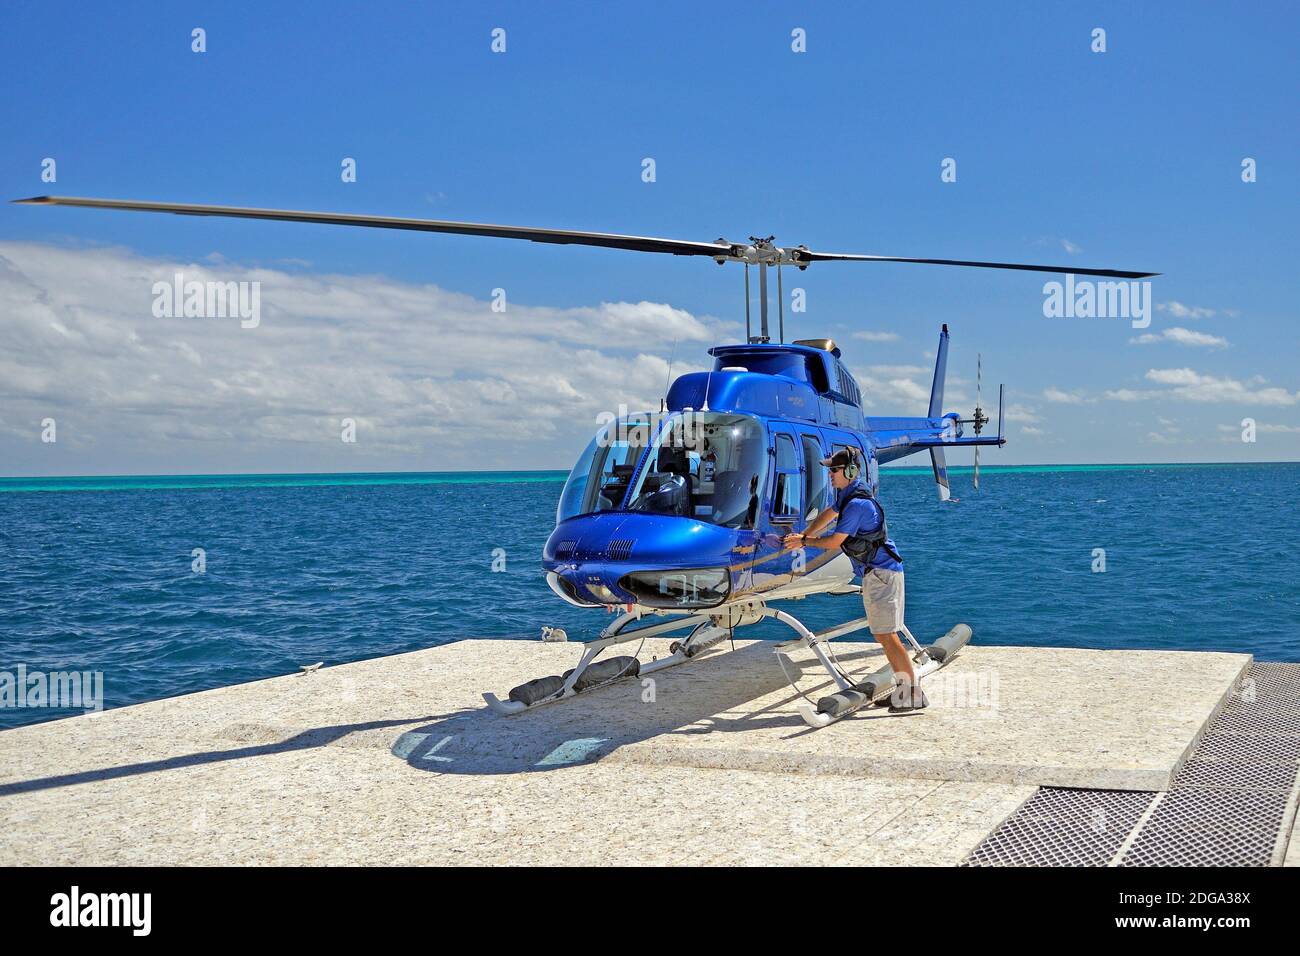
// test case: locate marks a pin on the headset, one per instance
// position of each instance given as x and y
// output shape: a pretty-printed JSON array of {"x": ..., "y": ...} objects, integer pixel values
[{"x": 854, "y": 466}]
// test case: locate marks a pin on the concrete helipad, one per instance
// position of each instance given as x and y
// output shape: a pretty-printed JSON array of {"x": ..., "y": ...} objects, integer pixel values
[{"x": 396, "y": 760}]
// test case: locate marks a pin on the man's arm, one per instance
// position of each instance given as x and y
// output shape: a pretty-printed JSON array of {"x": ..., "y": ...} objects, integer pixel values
[
  {"x": 810, "y": 539},
  {"x": 828, "y": 543},
  {"x": 822, "y": 520}
]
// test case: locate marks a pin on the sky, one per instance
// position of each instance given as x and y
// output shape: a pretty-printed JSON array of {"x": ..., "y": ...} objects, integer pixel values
[{"x": 1129, "y": 158}]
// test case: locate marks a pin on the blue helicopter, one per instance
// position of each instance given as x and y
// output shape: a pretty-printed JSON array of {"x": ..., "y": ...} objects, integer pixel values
[{"x": 677, "y": 517}]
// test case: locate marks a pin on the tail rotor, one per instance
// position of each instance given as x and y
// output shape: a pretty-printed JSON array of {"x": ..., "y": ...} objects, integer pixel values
[{"x": 980, "y": 419}]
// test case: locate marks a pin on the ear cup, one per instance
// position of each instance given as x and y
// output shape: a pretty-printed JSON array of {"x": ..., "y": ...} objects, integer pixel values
[{"x": 853, "y": 468}]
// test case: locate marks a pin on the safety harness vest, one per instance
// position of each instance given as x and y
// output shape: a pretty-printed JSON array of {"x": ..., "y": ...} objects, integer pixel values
[{"x": 863, "y": 546}]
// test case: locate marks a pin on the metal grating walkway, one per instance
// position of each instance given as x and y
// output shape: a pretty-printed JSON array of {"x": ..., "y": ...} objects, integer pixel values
[{"x": 1233, "y": 802}]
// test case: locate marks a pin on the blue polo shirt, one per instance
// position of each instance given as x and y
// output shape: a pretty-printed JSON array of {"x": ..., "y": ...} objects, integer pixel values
[{"x": 861, "y": 515}]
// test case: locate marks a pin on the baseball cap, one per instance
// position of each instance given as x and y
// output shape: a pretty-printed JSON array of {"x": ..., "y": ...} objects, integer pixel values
[{"x": 840, "y": 459}]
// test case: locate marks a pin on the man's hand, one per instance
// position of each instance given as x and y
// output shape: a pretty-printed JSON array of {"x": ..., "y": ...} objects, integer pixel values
[{"x": 792, "y": 542}]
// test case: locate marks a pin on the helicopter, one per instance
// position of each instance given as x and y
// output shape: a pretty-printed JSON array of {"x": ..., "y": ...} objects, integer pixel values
[{"x": 678, "y": 516}]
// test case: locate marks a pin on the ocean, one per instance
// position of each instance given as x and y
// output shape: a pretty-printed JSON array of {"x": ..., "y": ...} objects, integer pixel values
[{"x": 99, "y": 574}]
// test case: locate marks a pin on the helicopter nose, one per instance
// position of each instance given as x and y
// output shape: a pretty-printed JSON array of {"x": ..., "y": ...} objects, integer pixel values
[{"x": 655, "y": 560}]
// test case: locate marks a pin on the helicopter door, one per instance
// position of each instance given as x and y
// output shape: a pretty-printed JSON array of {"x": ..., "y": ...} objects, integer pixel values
[
  {"x": 787, "y": 487},
  {"x": 816, "y": 482}
]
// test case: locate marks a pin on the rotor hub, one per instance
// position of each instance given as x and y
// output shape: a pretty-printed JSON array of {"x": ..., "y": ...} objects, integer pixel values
[{"x": 763, "y": 251}]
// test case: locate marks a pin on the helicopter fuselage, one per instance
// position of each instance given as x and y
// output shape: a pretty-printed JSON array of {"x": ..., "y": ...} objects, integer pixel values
[{"x": 686, "y": 509}]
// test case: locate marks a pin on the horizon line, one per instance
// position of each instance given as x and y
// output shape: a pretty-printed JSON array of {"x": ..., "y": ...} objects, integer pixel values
[{"x": 538, "y": 471}]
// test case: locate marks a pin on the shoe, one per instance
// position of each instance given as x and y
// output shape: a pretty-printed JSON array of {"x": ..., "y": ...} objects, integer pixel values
[{"x": 907, "y": 699}]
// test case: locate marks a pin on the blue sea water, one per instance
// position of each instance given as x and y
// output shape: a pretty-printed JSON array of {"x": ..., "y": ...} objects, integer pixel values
[{"x": 96, "y": 574}]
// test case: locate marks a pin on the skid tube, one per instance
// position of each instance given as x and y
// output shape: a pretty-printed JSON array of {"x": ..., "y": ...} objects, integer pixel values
[
  {"x": 852, "y": 695},
  {"x": 705, "y": 633}
]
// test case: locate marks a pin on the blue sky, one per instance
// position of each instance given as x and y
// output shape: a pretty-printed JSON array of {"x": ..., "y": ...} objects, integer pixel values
[{"x": 1128, "y": 159}]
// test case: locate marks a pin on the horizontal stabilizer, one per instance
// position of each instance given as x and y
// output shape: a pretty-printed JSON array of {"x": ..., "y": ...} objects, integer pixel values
[{"x": 963, "y": 442}]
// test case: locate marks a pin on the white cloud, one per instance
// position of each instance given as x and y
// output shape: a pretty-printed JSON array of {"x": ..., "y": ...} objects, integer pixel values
[
  {"x": 885, "y": 371},
  {"x": 868, "y": 336},
  {"x": 891, "y": 390},
  {"x": 1062, "y": 397},
  {"x": 1182, "y": 337},
  {"x": 1265, "y": 429},
  {"x": 1188, "y": 385},
  {"x": 430, "y": 376},
  {"x": 1070, "y": 247},
  {"x": 1180, "y": 311},
  {"x": 907, "y": 391},
  {"x": 1021, "y": 413}
]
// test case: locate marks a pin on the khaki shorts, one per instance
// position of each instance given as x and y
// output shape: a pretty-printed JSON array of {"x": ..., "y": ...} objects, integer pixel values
[{"x": 882, "y": 596}]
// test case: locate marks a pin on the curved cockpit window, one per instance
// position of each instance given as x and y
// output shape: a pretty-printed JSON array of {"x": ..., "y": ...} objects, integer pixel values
[
  {"x": 599, "y": 480},
  {"x": 767, "y": 361},
  {"x": 705, "y": 465}
]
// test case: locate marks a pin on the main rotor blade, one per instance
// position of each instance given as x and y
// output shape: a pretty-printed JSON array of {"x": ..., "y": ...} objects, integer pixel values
[
  {"x": 808, "y": 255},
  {"x": 676, "y": 247}
]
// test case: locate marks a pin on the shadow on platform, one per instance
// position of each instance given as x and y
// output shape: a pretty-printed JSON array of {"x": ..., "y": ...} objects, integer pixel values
[
  {"x": 316, "y": 737},
  {"x": 714, "y": 694},
  {"x": 706, "y": 696}
]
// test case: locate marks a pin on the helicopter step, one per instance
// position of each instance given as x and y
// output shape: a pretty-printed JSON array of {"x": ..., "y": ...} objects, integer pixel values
[
  {"x": 591, "y": 673},
  {"x": 880, "y": 684}
]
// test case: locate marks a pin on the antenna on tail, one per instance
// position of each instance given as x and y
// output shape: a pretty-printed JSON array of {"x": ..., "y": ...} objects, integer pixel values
[{"x": 979, "y": 373}]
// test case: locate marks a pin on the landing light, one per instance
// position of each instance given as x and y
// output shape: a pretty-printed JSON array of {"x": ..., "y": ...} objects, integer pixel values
[{"x": 696, "y": 587}]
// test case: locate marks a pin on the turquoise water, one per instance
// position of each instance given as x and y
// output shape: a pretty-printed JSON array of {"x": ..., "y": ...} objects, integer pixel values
[
  {"x": 336, "y": 568},
  {"x": 183, "y": 482},
  {"x": 165, "y": 482}
]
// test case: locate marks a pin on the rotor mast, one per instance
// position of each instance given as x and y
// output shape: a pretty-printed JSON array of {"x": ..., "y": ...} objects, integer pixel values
[{"x": 762, "y": 252}]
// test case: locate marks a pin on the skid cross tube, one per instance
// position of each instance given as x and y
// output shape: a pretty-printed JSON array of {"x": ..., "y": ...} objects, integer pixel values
[
  {"x": 707, "y": 629},
  {"x": 704, "y": 635},
  {"x": 817, "y": 642}
]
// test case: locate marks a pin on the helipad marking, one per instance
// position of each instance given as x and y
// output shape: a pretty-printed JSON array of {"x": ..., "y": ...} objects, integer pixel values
[
  {"x": 571, "y": 751},
  {"x": 407, "y": 743},
  {"x": 431, "y": 755}
]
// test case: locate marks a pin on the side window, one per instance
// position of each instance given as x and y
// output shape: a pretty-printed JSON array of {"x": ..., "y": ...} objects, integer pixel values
[
  {"x": 817, "y": 374},
  {"x": 848, "y": 387},
  {"x": 815, "y": 477},
  {"x": 786, "y": 493}
]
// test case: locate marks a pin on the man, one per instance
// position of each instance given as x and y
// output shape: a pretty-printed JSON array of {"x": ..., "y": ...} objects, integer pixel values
[{"x": 860, "y": 531}]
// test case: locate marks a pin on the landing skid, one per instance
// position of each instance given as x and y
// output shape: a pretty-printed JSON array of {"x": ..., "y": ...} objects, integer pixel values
[
  {"x": 590, "y": 674},
  {"x": 880, "y": 684},
  {"x": 708, "y": 628}
]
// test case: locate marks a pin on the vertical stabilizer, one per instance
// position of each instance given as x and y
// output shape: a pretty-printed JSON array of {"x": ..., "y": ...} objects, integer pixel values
[{"x": 940, "y": 373}]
